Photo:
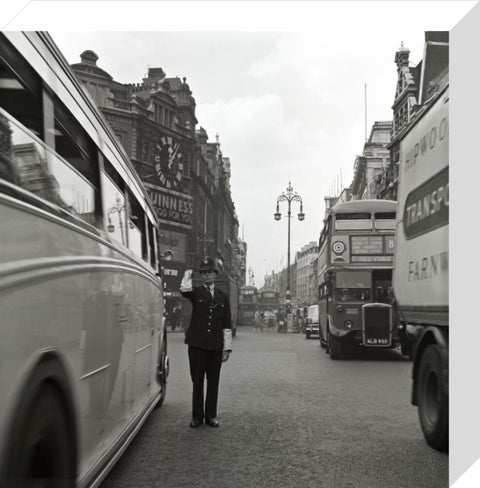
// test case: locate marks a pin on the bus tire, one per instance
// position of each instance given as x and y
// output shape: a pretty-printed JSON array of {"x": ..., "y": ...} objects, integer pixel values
[
  {"x": 334, "y": 347},
  {"x": 432, "y": 399},
  {"x": 43, "y": 452}
]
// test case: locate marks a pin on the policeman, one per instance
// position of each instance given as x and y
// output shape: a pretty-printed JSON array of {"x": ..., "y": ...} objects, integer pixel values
[{"x": 209, "y": 340}]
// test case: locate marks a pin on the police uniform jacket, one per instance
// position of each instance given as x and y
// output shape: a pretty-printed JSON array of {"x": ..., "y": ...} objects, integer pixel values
[{"x": 210, "y": 321}]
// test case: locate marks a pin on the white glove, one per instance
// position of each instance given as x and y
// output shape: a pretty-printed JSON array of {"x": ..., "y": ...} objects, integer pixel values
[
  {"x": 186, "y": 284},
  {"x": 227, "y": 340}
]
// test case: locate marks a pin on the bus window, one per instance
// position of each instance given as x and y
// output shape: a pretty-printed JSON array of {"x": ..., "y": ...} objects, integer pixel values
[
  {"x": 351, "y": 294},
  {"x": 38, "y": 170},
  {"x": 20, "y": 89},
  {"x": 137, "y": 239},
  {"x": 152, "y": 238},
  {"x": 385, "y": 220},
  {"x": 354, "y": 285},
  {"x": 114, "y": 209},
  {"x": 68, "y": 139},
  {"x": 353, "y": 221}
]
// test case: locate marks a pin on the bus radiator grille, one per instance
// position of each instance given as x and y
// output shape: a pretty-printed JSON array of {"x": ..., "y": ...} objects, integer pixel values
[{"x": 376, "y": 326}]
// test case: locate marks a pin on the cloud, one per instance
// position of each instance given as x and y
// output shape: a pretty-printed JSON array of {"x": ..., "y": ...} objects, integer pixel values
[{"x": 257, "y": 128}]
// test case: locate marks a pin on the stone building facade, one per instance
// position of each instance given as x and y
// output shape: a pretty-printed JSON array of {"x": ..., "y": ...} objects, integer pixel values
[
  {"x": 415, "y": 85},
  {"x": 304, "y": 272},
  {"x": 373, "y": 162},
  {"x": 186, "y": 176}
]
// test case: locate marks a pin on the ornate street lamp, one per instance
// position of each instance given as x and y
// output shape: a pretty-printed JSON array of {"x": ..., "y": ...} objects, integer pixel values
[{"x": 289, "y": 197}]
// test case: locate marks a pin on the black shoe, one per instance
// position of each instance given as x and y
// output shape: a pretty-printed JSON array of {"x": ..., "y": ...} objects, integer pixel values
[
  {"x": 212, "y": 422},
  {"x": 195, "y": 423}
]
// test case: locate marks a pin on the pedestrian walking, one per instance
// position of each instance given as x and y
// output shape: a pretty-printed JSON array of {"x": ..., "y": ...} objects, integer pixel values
[
  {"x": 270, "y": 320},
  {"x": 257, "y": 321},
  {"x": 281, "y": 321},
  {"x": 209, "y": 340}
]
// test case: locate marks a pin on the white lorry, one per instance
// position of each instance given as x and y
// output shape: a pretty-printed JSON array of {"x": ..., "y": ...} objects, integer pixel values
[{"x": 420, "y": 277}]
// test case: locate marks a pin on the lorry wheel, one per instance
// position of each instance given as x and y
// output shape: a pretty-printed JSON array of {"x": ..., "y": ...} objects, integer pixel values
[
  {"x": 432, "y": 399},
  {"x": 43, "y": 453},
  {"x": 334, "y": 347}
]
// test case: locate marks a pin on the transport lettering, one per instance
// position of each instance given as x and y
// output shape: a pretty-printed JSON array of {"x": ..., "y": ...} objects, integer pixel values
[{"x": 428, "y": 205}]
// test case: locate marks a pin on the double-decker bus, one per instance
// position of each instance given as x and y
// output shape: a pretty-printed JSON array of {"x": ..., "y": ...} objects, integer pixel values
[
  {"x": 355, "y": 265},
  {"x": 248, "y": 304},
  {"x": 268, "y": 299},
  {"x": 83, "y": 347}
]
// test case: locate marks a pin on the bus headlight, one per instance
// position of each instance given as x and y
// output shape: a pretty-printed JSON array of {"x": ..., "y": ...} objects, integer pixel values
[
  {"x": 339, "y": 308},
  {"x": 348, "y": 324}
]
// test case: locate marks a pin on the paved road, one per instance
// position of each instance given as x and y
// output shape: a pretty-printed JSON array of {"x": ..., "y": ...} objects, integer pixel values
[{"x": 291, "y": 417}]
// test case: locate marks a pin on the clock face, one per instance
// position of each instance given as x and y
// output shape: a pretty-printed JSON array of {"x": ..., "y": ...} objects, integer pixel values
[{"x": 167, "y": 159}]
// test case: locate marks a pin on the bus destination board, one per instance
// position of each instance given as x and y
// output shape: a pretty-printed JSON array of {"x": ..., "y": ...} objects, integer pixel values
[{"x": 367, "y": 245}]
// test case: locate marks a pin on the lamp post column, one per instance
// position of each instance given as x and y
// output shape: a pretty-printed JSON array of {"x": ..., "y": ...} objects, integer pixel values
[
  {"x": 288, "y": 252},
  {"x": 289, "y": 197}
]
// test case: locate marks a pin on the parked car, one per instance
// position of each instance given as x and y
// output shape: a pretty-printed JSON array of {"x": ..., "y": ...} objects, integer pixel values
[{"x": 311, "y": 328}]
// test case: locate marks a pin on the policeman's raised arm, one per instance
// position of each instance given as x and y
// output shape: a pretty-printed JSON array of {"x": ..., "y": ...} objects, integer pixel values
[{"x": 186, "y": 285}]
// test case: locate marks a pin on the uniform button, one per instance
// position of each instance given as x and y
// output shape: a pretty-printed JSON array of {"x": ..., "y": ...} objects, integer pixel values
[{"x": 208, "y": 330}]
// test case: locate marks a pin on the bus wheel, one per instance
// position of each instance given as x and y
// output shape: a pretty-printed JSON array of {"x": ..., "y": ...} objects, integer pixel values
[
  {"x": 43, "y": 452},
  {"x": 334, "y": 347},
  {"x": 432, "y": 400}
]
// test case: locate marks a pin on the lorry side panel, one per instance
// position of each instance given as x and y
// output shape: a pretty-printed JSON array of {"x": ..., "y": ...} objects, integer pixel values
[{"x": 420, "y": 278}]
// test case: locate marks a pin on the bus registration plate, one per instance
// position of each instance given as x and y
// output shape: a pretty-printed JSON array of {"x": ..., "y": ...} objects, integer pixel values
[{"x": 378, "y": 342}]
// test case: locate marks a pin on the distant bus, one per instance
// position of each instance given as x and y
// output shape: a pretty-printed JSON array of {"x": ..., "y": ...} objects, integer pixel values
[
  {"x": 355, "y": 276},
  {"x": 83, "y": 348},
  {"x": 248, "y": 304},
  {"x": 268, "y": 299}
]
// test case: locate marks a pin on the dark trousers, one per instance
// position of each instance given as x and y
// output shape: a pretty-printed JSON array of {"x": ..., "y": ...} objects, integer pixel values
[{"x": 204, "y": 363}]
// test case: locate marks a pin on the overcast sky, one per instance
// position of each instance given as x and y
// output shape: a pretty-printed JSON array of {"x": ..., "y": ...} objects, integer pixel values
[{"x": 282, "y": 83}]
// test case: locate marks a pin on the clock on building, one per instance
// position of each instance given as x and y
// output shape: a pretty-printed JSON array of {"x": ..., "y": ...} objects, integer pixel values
[{"x": 167, "y": 159}]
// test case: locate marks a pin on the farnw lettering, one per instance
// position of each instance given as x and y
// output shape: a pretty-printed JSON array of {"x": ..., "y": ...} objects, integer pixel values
[{"x": 428, "y": 267}]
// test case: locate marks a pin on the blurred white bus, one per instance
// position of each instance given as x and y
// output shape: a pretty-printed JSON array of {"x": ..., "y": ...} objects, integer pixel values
[{"x": 83, "y": 356}]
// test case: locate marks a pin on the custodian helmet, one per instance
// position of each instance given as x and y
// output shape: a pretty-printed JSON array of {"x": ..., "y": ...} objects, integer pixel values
[{"x": 208, "y": 264}]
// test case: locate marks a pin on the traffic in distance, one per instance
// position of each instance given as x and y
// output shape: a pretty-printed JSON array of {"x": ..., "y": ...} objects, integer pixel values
[
  {"x": 84, "y": 341},
  {"x": 383, "y": 272}
]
